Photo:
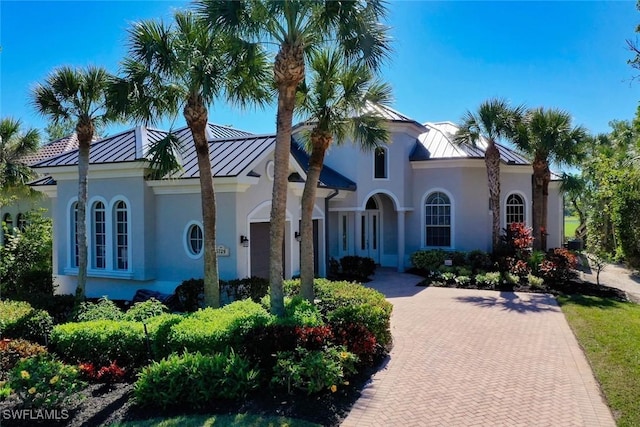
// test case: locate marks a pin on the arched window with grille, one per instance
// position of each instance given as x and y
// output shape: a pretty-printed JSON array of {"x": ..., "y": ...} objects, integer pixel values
[
  {"x": 73, "y": 227},
  {"x": 121, "y": 235},
  {"x": 21, "y": 221},
  {"x": 437, "y": 210},
  {"x": 514, "y": 209},
  {"x": 99, "y": 236}
]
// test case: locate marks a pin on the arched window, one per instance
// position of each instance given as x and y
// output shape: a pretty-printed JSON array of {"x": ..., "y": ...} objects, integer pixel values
[
  {"x": 514, "y": 209},
  {"x": 380, "y": 163},
  {"x": 438, "y": 220},
  {"x": 21, "y": 222},
  {"x": 99, "y": 236},
  {"x": 73, "y": 215},
  {"x": 194, "y": 239},
  {"x": 121, "y": 238}
]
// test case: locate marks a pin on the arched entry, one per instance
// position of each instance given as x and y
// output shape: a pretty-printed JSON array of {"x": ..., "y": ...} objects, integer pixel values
[{"x": 369, "y": 244}]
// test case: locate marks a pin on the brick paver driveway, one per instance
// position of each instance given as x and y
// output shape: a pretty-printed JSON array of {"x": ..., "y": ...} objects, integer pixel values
[{"x": 478, "y": 358}]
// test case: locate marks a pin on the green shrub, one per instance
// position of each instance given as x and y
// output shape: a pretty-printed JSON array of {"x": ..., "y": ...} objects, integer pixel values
[
  {"x": 214, "y": 330},
  {"x": 104, "y": 309},
  {"x": 190, "y": 295},
  {"x": 493, "y": 278},
  {"x": 535, "y": 260},
  {"x": 313, "y": 370},
  {"x": 481, "y": 280},
  {"x": 479, "y": 260},
  {"x": 464, "y": 271},
  {"x": 12, "y": 351},
  {"x": 511, "y": 279},
  {"x": 25, "y": 259},
  {"x": 239, "y": 289},
  {"x": 100, "y": 342},
  {"x": 194, "y": 380},
  {"x": 373, "y": 317},
  {"x": 357, "y": 267},
  {"x": 19, "y": 320},
  {"x": 535, "y": 282},
  {"x": 43, "y": 382},
  {"x": 159, "y": 329},
  {"x": 463, "y": 280},
  {"x": 141, "y": 311},
  {"x": 429, "y": 260},
  {"x": 449, "y": 276},
  {"x": 5, "y": 390},
  {"x": 300, "y": 312},
  {"x": 59, "y": 307}
]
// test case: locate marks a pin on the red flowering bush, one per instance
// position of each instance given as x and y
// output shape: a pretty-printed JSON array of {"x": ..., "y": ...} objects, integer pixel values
[
  {"x": 111, "y": 373},
  {"x": 519, "y": 267},
  {"x": 313, "y": 337},
  {"x": 357, "y": 339},
  {"x": 558, "y": 265}
]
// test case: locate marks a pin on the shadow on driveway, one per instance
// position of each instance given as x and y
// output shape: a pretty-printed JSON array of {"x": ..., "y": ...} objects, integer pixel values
[{"x": 509, "y": 301}]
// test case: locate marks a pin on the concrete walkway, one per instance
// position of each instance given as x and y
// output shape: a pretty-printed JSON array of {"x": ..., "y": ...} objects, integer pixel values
[
  {"x": 616, "y": 276},
  {"x": 478, "y": 358}
]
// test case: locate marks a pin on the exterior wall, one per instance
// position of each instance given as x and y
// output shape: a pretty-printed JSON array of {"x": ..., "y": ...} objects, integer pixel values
[{"x": 555, "y": 216}]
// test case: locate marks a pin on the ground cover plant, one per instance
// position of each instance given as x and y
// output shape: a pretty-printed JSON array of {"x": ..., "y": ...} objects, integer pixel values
[
  {"x": 135, "y": 364},
  {"x": 609, "y": 332}
]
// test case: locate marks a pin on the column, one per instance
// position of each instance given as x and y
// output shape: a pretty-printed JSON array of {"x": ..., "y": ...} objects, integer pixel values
[{"x": 400, "y": 215}]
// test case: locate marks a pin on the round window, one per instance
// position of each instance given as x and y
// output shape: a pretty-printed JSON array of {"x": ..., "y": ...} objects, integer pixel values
[
  {"x": 194, "y": 239},
  {"x": 270, "y": 170}
]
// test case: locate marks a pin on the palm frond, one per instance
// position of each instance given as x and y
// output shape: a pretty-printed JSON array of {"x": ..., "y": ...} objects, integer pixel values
[{"x": 163, "y": 156}]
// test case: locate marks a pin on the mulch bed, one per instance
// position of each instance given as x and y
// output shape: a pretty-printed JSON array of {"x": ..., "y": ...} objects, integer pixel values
[{"x": 105, "y": 404}]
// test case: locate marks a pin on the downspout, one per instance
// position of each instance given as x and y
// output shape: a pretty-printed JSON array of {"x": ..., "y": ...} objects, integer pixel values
[{"x": 326, "y": 229}]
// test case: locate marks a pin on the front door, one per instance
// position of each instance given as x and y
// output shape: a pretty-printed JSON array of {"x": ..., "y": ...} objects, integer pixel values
[{"x": 370, "y": 235}]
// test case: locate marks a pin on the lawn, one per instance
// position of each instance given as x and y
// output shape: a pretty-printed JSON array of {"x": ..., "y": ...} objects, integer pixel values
[
  {"x": 570, "y": 225},
  {"x": 609, "y": 333}
]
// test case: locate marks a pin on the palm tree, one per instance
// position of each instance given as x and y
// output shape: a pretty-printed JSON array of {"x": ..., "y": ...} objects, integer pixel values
[
  {"x": 336, "y": 103},
  {"x": 78, "y": 95},
  {"x": 297, "y": 27},
  {"x": 187, "y": 65},
  {"x": 14, "y": 145},
  {"x": 548, "y": 137},
  {"x": 493, "y": 121}
]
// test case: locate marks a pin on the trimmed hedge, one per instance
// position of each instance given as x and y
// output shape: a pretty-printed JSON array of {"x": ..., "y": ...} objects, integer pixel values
[
  {"x": 214, "y": 330},
  {"x": 100, "y": 342},
  {"x": 194, "y": 380},
  {"x": 19, "y": 320}
]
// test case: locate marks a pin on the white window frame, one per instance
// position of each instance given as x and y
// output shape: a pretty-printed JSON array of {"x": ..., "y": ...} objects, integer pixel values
[
  {"x": 525, "y": 207},
  {"x": 186, "y": 240},
  {"x": 423, "y": 219},
  {"x": 94, "y": 233},
  {"x": 127, "y": 210},
  {"x": 72, "y": 244}
]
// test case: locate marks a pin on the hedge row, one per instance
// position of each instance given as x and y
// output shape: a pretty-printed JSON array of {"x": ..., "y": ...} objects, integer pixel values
[{"x": 19, "y": 320}]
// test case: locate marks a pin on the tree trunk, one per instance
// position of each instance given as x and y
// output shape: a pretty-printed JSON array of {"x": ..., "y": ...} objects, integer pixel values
[
  {"x": 545, "y": 205},
  {"x": 538, "y": 223},
  {"x": 288, "y": 72},
  {"x": 320, "y": 142},
  {"x": 195, "y": 113},
  {"x": 84, "y": 131},
  {"x": 492, "y": 162}
]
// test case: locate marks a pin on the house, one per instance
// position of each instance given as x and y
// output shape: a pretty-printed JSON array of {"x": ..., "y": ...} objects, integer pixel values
[{"x": 420, "y": 191}]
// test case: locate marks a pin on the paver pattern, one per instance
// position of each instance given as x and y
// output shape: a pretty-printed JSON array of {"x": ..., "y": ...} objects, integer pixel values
[{"x": 478, "y": 358}]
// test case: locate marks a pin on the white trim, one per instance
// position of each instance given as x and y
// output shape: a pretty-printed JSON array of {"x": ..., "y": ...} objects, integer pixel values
[
  {"x": 423, "y": 220},
  {"x": 91, "y": 231},
  {"x": 186, "y": 242},
  {"x": 386, "y": 163},
  {"x": 396, "y": 203},
  {"x": 69, "y": 231},
  {"x": 192, "y": 185},
  {"x": 269, "y": 170}
]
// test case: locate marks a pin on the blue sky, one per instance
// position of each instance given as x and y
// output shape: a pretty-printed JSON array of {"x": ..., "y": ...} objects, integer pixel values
[{"x": 448, "y": 56}]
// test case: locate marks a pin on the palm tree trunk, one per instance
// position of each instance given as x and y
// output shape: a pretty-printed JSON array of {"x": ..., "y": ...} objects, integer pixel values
[
  {"x": 545, "y": 205},
  {"x": 538, "y": 204},
  {"x": 84, "y": 131},
  {"x": 492, "y": 162},
  {"x": 288, "y": 72},
  {"x": 320, "y": 142},
  {"x": 195, "y": 113},
  {"x": 81, "y": 220}
]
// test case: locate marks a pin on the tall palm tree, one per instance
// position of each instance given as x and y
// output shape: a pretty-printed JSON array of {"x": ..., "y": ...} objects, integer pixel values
[
  {"x": 297, "y": 27},
  {"x": 493, "y": 121},
  {"x": 78, "y": 95},
  {"x": 548, "y": 137},
  {"x": 187, "y": 65},
  {"x": 14, "y": 145},
  {"x": 336, "y": 103}
]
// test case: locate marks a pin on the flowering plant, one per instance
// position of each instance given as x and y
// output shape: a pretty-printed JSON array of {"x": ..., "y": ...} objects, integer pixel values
[{"x": 43, "y": 382}]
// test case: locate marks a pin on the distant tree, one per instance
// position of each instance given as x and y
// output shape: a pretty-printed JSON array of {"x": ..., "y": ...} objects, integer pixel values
[
  {"x": 15, "y": 143},
  {"x": 77, "y": 95},
  {"x": 493, "y": 121},
  {"x": 54, "y": 131},
  {"x": 337, "y": 103}
]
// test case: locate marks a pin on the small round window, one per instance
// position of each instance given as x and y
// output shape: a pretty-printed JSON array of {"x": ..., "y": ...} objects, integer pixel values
[{"x": 194, "y": 239}]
